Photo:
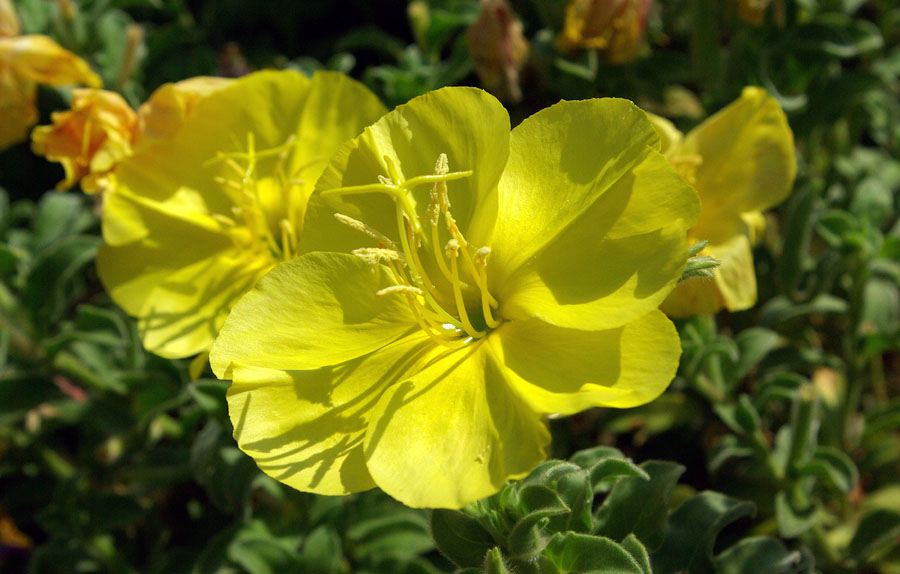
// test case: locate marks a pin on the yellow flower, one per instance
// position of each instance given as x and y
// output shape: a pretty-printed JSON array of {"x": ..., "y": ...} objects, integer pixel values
[
  {"x": 101, "y": 129},
  {"x": 741, "y": 161},
  {"x": 168, "y": 107},
  {"x": 25, "y": 62},
  {"x": 417, "y": 346},
  {"x": 194, "y": 220},
  {"x": 615, "y": 28},
  {"x": 89, "y": 139}
]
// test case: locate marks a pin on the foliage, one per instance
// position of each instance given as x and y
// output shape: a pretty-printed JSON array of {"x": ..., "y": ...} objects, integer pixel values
[{"x": 776, "y": 449}]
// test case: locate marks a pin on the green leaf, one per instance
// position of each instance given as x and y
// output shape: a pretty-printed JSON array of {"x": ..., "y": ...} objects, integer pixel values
[
  {"x": 494, "y": 564},
  {"x": 633, "y": 546},
  {"x": 840, "y": 36},
  {"x": 9, "y": 258},
  {"x": 322, "y": 552},
  {"x": 539, "y": 502},
  {"x": 741, "y": 417},
  {"x": 832, "y": 465},
  {"x": 692, "y": 530},
  {"x": 591, "y": 456},
  {"x": 612, "y": 468},
  {"x": 51, "y": 284},
  {"x": 639, "y": 506},
  {"x": 581, "y": 553},
  {"x": 460, "y": 538},
  {"x": 762, "y": 554},
  {"x": 880, "y": 306},
  {"x": 754, "y": 344},
  {"x": 534, "y": 497},
  {"x": 209, "y": 394},
  {"x": 792, "y": 519},
  {"x": 58, "y": 215},
  {"x": 876, "y": 530},
  {"x": 402, "y": 533},
  {"x": 781, "y": 310}
]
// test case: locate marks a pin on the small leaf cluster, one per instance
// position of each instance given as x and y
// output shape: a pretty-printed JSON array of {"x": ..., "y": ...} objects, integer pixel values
[{"x": 598, "y": 512}]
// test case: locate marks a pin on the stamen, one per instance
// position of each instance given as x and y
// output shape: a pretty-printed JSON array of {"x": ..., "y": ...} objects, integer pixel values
[
  {"x": 487, "y": 300},
  {"x": 363, "y": 228},
  {"x": 287, "y": 239},
  {"x": 377, "y": 254},
  {"x": 437, "y": 337},
  {"x": 224, "y": 220},
  {"x": 416, "y": 272},
  {"x": 453, "y": 255},
  {"x": 407, "y": 289},
  {"x": 438, "y": 255}
]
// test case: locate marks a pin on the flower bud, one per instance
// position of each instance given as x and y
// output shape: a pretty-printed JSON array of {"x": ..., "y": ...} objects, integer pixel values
[
  {"x": 9, "y": 23},
  {"x": 498, "y": 49},
  {"x": 615, "y": 28}
]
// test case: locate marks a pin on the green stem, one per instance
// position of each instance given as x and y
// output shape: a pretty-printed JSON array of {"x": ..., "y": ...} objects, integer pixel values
[{"x": 853, "y": 381}]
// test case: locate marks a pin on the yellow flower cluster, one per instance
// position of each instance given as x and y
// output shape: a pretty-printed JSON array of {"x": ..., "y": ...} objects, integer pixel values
[{"x": 402, "y": 298}]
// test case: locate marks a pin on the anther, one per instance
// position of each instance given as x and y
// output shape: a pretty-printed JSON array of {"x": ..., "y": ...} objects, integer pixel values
[
  {"x": 377, "y": 254},
  {"x": 358, "y": 225},
  {"x": 404, "y": 289},
  {"x": 452, "y": 249},
  {"x": 481, "y": 255}
]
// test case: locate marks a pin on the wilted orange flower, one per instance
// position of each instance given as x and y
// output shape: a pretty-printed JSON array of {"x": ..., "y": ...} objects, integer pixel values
[
  {"x": 498, "y": 49},
  {"x": 25, "y": 62},
  {"x": 89, "y": 139},
  {"x": 101, "y": 129},
  {"x": 615, "y": 28}
]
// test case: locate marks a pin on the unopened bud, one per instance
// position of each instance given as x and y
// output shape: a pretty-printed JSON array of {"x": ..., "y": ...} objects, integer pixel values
[
  {"x": 498, "y": 49},
  {"x": 615, "y": 28}
]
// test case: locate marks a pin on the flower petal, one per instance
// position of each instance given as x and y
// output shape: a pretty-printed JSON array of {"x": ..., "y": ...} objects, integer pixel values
[
  {"x": 317, "y": 310},
  {"x": 41, "y": 59},
  {"x": 591, "y": 232},
  {"x": 734, "y": 281},
  {"x": 306, "y": 428},
  {"x": 564, "y": 371},
  {"x": 694, "y": 296},
  {"x": 130, "y": 265},
  {"x": 747, "y": 152},
  {"x": 183, "y": 311},
  {"x": 452, "y": 433},
  {"x": 736, "y": 276},
  {"x": 669, "y": 136},
  {"x": 18, "y": 111},
  {"x": 467, "y": 124}
]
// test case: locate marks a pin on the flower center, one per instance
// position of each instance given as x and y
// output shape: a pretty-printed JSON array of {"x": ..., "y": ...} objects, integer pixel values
[
  {"x": 686, "y": 165},
  {"x": 446, "y": 287},
  {"x": 268, "y": 203}
]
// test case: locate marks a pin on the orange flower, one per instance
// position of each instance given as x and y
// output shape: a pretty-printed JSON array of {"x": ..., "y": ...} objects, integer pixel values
[
  {"x": 25, "y": 62},
  {"x": 101, "y": 129},
  {"x": 89, "y": 139},
  {"x": 615, "y": 28},
  {"x": 498, "y": 49}
]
